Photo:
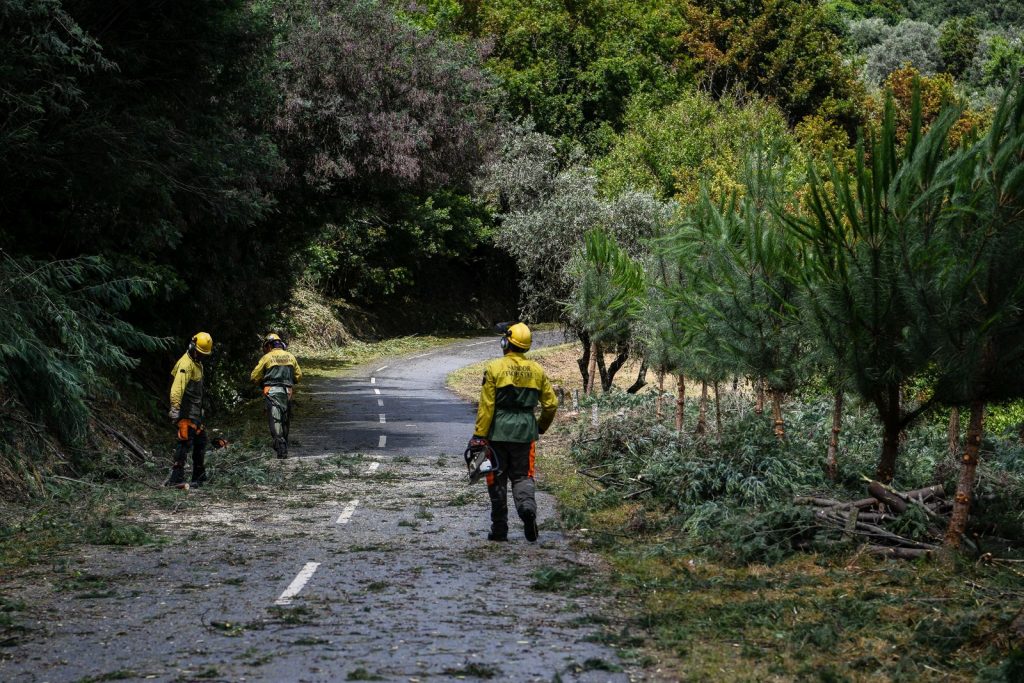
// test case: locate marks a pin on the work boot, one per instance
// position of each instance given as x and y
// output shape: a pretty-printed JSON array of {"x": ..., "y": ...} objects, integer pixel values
[
  {"x": 198, "y": 481},
  {"x": 176, "y": 477},
  {"x": 281, "y": 448},
  {"x": 499, "y": 532},
  {"x": 530, "y": 525}
]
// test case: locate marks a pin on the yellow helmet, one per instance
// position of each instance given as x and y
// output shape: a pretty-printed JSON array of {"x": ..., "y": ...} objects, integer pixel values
[
  {"x": 203, "y": 343},
  {"x": 519, "y": 336},
  {"x": 270, "y": 339}
]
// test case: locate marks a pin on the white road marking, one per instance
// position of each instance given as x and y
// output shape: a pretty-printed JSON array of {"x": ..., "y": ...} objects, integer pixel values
[
  {"x": 381, "y": 441},
  {"x": 376, "y": 391},
  {"x": 373, "y": 380},
  {"x": 374, "y": 465},
  {"x": 347, "y": 513},
  {"x": 297, "y": 583},
  {"x": 382, "y": 420},
  {"x": 383, "y": 367},
  {"x": 380, "y": 403},
  {"x": 489, "y": 341}
]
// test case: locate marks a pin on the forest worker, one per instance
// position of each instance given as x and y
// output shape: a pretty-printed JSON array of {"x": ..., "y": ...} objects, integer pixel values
[
  {"x": 512, "y": 387},
  {"x": 277, "y": 372},
  {"x": 187, "y": 411}
]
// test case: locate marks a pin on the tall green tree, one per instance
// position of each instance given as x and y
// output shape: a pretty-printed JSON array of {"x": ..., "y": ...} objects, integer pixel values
[
  {"x": 742, "y": 287},
  {"x": 605, "y": 299},
  {"x": 971, "y": 304},
  {"x": 858, "y": 281}
]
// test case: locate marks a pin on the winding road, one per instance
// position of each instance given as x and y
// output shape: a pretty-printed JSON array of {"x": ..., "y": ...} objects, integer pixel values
[{"x": 383, "y": 574}]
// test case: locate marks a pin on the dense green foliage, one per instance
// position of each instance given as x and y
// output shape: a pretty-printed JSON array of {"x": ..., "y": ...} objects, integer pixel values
[
  {"x": 577, "y": 69},
  {"x": 197, "y": 151}
]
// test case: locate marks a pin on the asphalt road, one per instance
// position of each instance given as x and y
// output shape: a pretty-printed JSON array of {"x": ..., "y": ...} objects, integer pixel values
[{"x": 384, "y": 574}]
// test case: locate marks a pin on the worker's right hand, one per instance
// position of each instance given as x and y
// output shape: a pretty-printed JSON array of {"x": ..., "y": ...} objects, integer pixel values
[
  {"x": 174, "y": 414},
  {"x": 477, "y": 442}
]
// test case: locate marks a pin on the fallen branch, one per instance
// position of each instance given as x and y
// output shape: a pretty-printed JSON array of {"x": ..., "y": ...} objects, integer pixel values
[
  {"x": 133, "y": 448},
  {"x": 899, "y": 553}
]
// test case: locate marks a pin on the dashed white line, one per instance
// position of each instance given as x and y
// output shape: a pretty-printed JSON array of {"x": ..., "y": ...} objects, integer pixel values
[
  {"x": 422, "y": 355},
  {"x": 380, "y": 402},
  {"x": 382, "y": 420},
  {"x": 489, "y": 341},
  {"x": 347, "y": 513},
  {"x": 374, "y": 465},
  {"x": 376, "y": 391},
  {"x": 381, "y": 441},
  {"x": 373, "y": 380},
  {"x": 297, "y": 583},
  {"x": 383, "y": 367}
]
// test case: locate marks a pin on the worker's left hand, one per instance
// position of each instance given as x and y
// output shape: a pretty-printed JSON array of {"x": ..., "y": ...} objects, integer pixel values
[
  {"x": 174, "y": 414},
  {"x": 477, "y": 442}
]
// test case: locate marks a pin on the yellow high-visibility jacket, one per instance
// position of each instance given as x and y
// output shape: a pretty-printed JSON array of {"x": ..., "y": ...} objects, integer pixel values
[
  {"x": 187, "y": 388},
  {"x": 277, "y": 368},
  {"x": 512, "y": 388}
]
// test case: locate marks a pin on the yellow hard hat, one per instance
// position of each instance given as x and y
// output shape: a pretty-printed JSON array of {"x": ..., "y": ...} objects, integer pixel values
[
  {"x": 203, "y": 343},
  {"x": 519, "y": 336},
  {"x": 271, "y": 338}
]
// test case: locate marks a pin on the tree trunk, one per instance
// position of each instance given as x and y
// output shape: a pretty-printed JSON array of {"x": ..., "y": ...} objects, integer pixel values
[
  {"x": 702, "y": 425},
  {"x": 641, "y": 378},
  {"x": 833, "y": 443},
  {"x": 759, "y": 392},
  {"x": 584, "y": 360},
  {"x": 954, "y": 434},
  {"x": 892, "y": 426},
  {"x": 777, "y": 422},
  {"x": 661, "y": 393},
  {"x": 718, "y": 412},
  {"x": 968, "y": 469},
  {"x": 680, "y": 402},
  {"x": 592, "y": 370},
  {"x": 608, "y": 375}
]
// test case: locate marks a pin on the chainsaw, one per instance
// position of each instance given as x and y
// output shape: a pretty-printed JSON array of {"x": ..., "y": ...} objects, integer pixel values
[{"x": 480, "y": 460}]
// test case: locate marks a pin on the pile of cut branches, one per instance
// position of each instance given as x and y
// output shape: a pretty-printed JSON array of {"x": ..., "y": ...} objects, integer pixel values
[{"x": 881, "y": 519}]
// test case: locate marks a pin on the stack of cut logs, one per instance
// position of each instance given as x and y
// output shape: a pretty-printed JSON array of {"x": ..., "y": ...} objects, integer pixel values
[{"x": 864, "y": 519}]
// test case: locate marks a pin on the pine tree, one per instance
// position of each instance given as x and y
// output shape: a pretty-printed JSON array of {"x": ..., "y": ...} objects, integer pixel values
[
  {"x": 859, "y": 259},
  {"x": 742, "y": 294},
  {"x": 971, "y": 304}
]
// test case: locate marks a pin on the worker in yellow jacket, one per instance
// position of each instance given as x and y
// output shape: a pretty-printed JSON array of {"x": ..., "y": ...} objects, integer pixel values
[
  {"x": 278, "y": 372},
  {"x": 512, "y": 388},
  {"x": 187, "y": 411}
]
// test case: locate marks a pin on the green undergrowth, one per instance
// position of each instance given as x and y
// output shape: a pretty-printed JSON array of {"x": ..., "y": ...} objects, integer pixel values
[{"x": 726, "y": 579}]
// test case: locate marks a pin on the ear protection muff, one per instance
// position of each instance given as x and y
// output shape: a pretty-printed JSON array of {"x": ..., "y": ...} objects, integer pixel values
[{"x": 504, "y": 340}]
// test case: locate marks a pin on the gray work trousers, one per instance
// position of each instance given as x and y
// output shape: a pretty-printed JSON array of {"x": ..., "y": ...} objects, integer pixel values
[{"x": 516, "y": 461}]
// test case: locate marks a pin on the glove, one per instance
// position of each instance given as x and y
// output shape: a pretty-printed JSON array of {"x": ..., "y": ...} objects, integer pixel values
[
  {"x": 174, "y": 414},
  {"x": 476, "y": 442}
]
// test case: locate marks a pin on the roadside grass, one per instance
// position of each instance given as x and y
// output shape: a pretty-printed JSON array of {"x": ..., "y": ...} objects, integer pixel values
[
  {"x": 333, "y": 361},
  {"x": 689, "y": 610},
  {"x": 559, "y": 363}
]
